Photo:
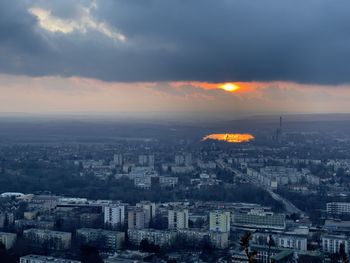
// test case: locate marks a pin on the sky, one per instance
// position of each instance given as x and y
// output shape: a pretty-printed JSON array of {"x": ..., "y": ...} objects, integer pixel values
[{"x": 109, "y": 56}]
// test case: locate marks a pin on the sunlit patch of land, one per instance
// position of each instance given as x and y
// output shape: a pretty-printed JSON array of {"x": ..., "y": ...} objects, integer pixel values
[{"x": 230, "y": 137}]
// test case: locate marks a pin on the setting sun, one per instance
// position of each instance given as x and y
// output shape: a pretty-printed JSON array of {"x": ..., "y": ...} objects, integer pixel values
[{"x": 229, "y": 87}]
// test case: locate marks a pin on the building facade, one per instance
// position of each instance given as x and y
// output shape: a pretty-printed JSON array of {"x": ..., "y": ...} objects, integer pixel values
[
  {"x": 45, "y": 259},
  {"x": 338, "y": 208},
  {"x": 157, "y": 237},
  {"x": 110, "y": 240},
  {"x": 136, "y": 218},
  {"x": 178, "y": 219},
  {"x": 257, "y": 218},
  {"x": 331, "y": 243},
  {"x": 8, "y": 239},
  {"x": 219, "y": 221},
  {"x": 55, "y": 240},
  {"x": 114, "y": 215},
  {"x": 149, "y": 209}
]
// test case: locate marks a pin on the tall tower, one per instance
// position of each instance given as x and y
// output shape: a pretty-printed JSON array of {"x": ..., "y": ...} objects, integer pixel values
[
  {"x": 281, "y": 125},
  {"x": 279, "y": 131}
]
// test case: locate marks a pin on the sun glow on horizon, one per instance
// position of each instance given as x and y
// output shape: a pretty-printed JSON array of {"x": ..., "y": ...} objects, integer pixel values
[{"x": 231, "y": 87}]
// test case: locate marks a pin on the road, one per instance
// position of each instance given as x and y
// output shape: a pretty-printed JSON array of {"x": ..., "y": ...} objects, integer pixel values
[{"x": 290, "y": 208}]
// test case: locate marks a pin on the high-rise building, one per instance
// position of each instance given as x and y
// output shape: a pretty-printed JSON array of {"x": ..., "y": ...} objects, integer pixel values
[
  {"x": 118, "y": 159},
  {"x": 151, "y": 160},
  {"x": 188, "y": 159},
  {"x": 114, "y": 214},
  {"x": 178, "y": 219},
  {"x": 136, "y": 218},
  {"x": 143, "y": 160},
  {"x": 179, "y": 159},
  {"x": 149, "y": 209},
  {"x": 219, "y": 221},
  {"x": 146, "y": 160}
]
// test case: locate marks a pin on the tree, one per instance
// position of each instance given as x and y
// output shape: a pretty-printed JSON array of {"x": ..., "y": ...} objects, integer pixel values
[
  {"x": 146, "y": 246},
  {"x": 245, "y": 243},
  {"x": 199, "y": 223},
  {"x": 342, "y": 253},
  {"x": 206, "y": 245},
  {"x": 270, "y": 243},
  {"x": 5, "y": 256},
  {"x": 89, "y": 254},
  {"x": 159, "y": 222}
]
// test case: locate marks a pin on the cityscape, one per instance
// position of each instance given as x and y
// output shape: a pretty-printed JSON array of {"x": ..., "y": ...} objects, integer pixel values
[
  {"x": 176, "y": 197},
  {"x": 174, "y": 131}
]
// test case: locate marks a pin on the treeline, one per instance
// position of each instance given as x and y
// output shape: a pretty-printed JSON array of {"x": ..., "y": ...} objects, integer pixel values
[{"x": 65, "y": 180}]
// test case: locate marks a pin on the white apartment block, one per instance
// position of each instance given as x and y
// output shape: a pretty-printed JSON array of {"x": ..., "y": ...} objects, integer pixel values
[
  {"x": 219, "y": 221},
  {"x": 178, "y": 219},
  {"x": 114, "y": 215}
]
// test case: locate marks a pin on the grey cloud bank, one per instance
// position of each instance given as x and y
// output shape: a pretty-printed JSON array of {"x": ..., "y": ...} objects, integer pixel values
[{"x": 203, "y": 40}]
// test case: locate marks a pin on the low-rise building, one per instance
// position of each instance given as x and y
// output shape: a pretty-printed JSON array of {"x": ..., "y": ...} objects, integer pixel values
[
  {"x": 55, "y": 240},
  {"x": 292, "y": 240},
  {"x": 258, "y": 218},
  {"x": 157, "y": 237},
  {"x": 338, "y": 208},
  {"x": 105, "y": 239},
  {"x": 331, "y": 243},
  {"x": 45, "y": 259},
  {"x": 337, "y": 225},
  {"x": 21, "y": 224},
  {"x": 8, "y": 239},
  {"x": 168, "y": 181},
  {"x": 218, "y": 240}
]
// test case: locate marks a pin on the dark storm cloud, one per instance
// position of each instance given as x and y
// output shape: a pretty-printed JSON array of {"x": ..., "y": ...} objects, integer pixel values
[
  {"x": 305, "y": 41},
  {"x": 21, "y": 45}
]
